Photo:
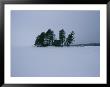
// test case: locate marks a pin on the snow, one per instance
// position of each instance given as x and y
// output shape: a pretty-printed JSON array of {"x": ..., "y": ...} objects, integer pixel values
[{"x": 55, "y": 61}]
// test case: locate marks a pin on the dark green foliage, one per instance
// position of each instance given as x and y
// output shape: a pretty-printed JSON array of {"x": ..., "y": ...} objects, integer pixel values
[
  {"x": 62, "y": 37},
  {"x": 40, "y": 40},
  {"x": 48, "y": 39},
  {"x": 70, "y": 39},
  {"x": 37, "y": 40}
]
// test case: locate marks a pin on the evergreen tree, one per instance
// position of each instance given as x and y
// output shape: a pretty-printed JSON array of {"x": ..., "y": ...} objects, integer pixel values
[
  {"x": 62, "y": 36},
  {"x": 37, "y": 41},
  {"x": 70, "y": 39},
  {"x": 40, "y": 40},
  {"x": 50, "y": 37}
]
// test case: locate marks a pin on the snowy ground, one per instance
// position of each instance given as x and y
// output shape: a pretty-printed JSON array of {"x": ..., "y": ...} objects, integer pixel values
[{"x": 55, "y": 61}]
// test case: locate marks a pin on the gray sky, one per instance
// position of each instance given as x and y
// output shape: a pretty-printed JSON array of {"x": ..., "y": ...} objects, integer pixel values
[{"x": 26, "y": 25}]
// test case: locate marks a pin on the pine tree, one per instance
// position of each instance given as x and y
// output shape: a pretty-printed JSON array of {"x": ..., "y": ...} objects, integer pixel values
[
  {"x": 37, "y": 41},
  {"x": 40, "y": 40},
  {"x": 50, "y": 36},
  {"x": 62, "y": 36},
  {"x": 70, "y": 39}
]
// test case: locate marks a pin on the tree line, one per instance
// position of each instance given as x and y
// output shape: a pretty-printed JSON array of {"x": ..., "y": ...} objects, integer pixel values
[{"x": 48, "y": 39}]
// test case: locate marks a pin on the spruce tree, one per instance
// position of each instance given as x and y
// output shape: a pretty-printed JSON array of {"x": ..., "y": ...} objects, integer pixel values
[
  {"x": 37, "y": 41},
  {"x": 50, "y": 37},
  {"x": 62, "y": 36},
  {"x": 70, "y": 39},
  {"x": 40, "y": 40}
]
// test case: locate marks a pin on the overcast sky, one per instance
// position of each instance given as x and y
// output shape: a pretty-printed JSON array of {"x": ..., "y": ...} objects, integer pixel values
[{"x": 26, "y": 25}]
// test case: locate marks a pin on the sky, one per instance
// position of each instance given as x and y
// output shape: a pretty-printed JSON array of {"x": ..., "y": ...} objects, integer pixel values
[{"x": 26, "y": 25}]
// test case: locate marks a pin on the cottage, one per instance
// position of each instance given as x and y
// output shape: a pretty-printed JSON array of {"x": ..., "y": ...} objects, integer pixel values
[{"x": 57, "y": 43}]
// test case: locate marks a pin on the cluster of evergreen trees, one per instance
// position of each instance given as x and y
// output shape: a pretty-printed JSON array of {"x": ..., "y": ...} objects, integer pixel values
[{"x": 48, "y": 39}]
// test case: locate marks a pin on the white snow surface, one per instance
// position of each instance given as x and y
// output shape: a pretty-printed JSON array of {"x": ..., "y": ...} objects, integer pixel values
[{"x": 55, "y": 61}]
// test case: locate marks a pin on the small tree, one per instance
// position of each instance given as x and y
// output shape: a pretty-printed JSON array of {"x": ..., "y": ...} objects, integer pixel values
[
  {"x": 70, "y": 39},
  {"x": 62, "y": 36}
]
